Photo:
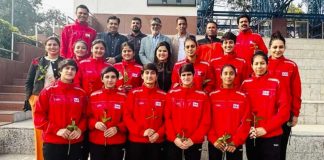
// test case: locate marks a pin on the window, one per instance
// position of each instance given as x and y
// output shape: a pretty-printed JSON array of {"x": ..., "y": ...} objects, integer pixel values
[{"x": 190, "y": 3}]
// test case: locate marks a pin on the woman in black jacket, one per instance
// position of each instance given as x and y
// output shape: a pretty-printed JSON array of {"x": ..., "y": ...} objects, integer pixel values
[
  {"x": 162, "y": 60},
  {"x": 42, "y": 72}
]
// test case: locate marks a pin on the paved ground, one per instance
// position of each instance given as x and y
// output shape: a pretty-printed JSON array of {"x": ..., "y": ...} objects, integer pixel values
[{"x": 16, "y": 157}]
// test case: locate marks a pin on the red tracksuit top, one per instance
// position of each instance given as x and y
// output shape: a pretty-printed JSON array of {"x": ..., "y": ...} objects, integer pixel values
[
  {"x": 246, "y": 44},
  {"x": 74, "y": 32},
  {"x": 287, "y": 72},
  {"x": 203, "y": 78},
  {"x": 207, "y": 52},
  {"x": 240, "y": 65},
  {"x": 88, "y": 75},
  {"x": 187, "y": 114},
  {"x": 230, "y": 113},
  {"x": 269, "y": 101},
  {"x": 109, "y": 103},
  {"x": 57, "y": 106},
  {"x": 144, "y": 109},
  {"x": 131, "y": 77}
]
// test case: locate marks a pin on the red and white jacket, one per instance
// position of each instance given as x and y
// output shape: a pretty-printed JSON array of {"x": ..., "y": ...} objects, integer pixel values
[
  {"x": 106, "y": 103},
  {"x": 187, "y": 114},
  {"x": 72, "y": 33},
  {"x": 207, "y": 52},
  {"x": 144, "y": 109},
  {"x": 129, "y": 74},
  {"x": 269, "y": 102},
  {"x": 287, "y": 72},
  {"x": 88, "y": 75},
  {"x": 246, "y": 45},
  {"x": 56, "y": 107},
  {"x": 239, "y": 64},
  {"x": 230, "y": 113},
  {"x": 203, "y": 78}
]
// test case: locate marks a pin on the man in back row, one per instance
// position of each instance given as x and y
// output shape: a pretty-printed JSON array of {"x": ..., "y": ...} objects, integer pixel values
[
  {"x": 149, "y": 43},
  {"x": 136, "y": 36},
  {"x": 113, "y": 40},
  {"x": 77, "y": 31}
]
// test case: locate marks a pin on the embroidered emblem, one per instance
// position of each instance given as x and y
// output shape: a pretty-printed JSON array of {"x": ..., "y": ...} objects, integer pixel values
[
  {"x": 195, "y": 104},
  {"x": 158, "y": 104},
  {"x": 236, "y": 106},
  {"x": 117, "y": 106},
  {"x": 265, "y": 93},
  {"x": 76, "y": 100},
  {"x": 284, "y": 74}
]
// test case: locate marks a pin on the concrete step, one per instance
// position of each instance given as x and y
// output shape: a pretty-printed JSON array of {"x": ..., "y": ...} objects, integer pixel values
[
  {"x": 14, "y": 116},
  {"x": 19, "y": 81},
  {"x": 12, "y": 96},
  {"x": 306, "y": 141},
  {"x": 11, "y": 105},
  {"x": 17, "y": 157},
  {"x": 312, "y": 113},
  {"x": 12, "y": 89}
]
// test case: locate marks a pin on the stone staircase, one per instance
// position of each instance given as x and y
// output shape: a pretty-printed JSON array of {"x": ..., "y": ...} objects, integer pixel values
[{"x": 12, "y": 98}]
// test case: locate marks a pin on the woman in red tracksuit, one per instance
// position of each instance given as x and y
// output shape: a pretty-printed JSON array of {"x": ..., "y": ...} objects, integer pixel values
[
  {"x": 80, "y": 50},
  {"x": 129, "y": 70},
  {"x": 187, "y": 118},
  {"x": 229, "y": 57},
  {"x": 88, "y": 76},
  {"x": 287, "y": 72},
  {"x": 230, "y": 111},
  {"x": 61, "y": 114},
  {"x": 144, "y": 118},
  {"x": 204, "y": 77},
  {"x": 106, "y": 126},
  {"x": 270, "y": 109}
]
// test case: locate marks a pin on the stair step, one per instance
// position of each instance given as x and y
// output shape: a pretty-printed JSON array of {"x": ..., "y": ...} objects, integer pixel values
[
  {"x": 24, "y": 75},
  {"x": 11, "y": 105},
  {"x": 14, "y": 116},
  {"x": 12, "y": 97},
  {"x": 12, "y": 89},
  {"x": 18, "y": 81}
]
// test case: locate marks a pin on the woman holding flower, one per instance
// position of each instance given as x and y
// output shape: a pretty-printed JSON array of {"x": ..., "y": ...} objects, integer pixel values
[
  {"x": 107, "y": 132},
  {"x": 230, "y": 112},
  {"x": 187, "y": 117},
  {"x": 270, "y": 110},
  {"x": 61, "y": 114}
]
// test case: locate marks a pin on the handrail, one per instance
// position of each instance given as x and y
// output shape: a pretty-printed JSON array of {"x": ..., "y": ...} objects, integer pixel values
[
  {"x": 3, "y": 49},
  {"x": 11, "y": 52}
]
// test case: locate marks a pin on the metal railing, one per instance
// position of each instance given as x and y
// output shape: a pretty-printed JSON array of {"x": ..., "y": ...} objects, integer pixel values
[{"x": 3, "y": 53}]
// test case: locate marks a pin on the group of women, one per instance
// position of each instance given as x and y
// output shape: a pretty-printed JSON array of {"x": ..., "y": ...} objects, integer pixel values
[{"x": 160, "y": 111}]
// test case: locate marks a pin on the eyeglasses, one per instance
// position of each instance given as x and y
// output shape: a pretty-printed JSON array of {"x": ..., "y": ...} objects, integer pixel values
[
  {"x": 155, "y": 24},
  {"x": 190, "y": 46}
]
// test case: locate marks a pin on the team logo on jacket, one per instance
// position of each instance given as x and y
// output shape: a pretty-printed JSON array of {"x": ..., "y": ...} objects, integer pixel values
[
  {"x": 134, "y": 75},
  {"x": 158, "y": 104},
  {"x": 236, "y": 106},
  {"x": 265, "y": 93},
  {"x": 87, "y": 35},
  {"x": 117, "y": 106},
  {"x": 195, "y": 104},
  {"x": 199, "y": 73},
  {"x": 76, "y": 100},
  {"x": 284, "y": 74}
]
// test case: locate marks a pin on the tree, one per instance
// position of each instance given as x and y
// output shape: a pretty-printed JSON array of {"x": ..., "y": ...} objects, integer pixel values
[
  {"x": 295, "y": 9},
  {"x": 240, "y": 5},
  {"x": 46, "y": 20},
  {"x": 25, "y": 14}
]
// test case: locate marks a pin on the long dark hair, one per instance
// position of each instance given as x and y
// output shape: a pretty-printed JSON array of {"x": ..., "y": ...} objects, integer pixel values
[{"x": 168, "y": 62}]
